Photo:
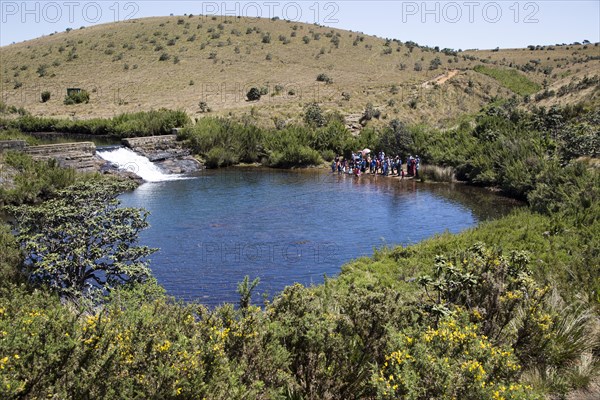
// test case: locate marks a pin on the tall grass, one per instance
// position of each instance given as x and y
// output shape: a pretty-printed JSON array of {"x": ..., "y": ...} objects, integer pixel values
[
  {"x": 510, "y": 78},
  {"x": 437, "y": 174}
]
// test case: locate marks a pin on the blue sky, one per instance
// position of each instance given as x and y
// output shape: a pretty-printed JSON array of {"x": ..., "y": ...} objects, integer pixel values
[{"x": 454, "y": 24}]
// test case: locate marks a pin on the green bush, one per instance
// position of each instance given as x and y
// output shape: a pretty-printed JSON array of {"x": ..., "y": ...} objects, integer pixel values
[
  {"x": 33, "y": 180},
  {"x": 452, "y": 360},
  {"x": 77, "y": 98},
  {"x": 313, "y": 115},
  {"x": 294, "y": 156},
  {"x": 83, "y": 219},
  {"x": 253, "y": 94},
  {"x": 45, "y": 96},
  {"x": 220, "y": 157},
  {"x": 324, "y": 78},
  {"x": 10, "y": 258}
]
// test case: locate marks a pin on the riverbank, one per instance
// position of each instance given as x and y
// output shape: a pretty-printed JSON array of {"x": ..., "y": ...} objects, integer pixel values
[{"x": 506, "y": 309}]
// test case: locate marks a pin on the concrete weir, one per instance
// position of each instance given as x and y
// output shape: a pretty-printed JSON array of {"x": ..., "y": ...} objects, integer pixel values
[
  {"x": 80, "y": 156},
  {"x": 164, "y": 151}
]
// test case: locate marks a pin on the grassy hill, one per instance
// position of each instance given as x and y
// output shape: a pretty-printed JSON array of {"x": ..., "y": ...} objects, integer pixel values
[{"x": 175, "y": 62}]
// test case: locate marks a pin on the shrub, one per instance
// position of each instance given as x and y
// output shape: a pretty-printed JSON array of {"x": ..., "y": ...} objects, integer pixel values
[
  {"x": 45, "y": 96},
  {"x": 77, "y": 98},
  {"x": 294, "y": 155},
  {"x": 253, "y": 94},
  {"x": 435, "y": 63},
  {"x": 313, "y": 115},
  {"x": 322, "y": 77},
  {"x": 84, "y": 220},
  {"x": 42, "y": 70},
  {"x": 204, "y": 108},
  {"x": 451, "y": 360},
  {"x": 34, "y": 180},
  {"x": 369, "y": 113},
  {"x": 437, "y": 174},
  {"x": 396, "y": 139},
  {"x": 220, "y": 157}
]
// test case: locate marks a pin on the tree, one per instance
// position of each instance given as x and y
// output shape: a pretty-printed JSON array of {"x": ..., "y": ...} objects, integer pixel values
[
  {"x": 253, "y": 94},
  {"x": 81, "y": 242},
  {"x": 396, "y": 139}
]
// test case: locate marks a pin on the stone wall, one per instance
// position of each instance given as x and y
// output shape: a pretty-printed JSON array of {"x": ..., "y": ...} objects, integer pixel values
[
  {"x": 18, "y": 145},
  {"x": 81, "y": 156}
]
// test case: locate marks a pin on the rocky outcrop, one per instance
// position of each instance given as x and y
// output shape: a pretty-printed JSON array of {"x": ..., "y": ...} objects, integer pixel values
[{"x": 165, "y": 151}]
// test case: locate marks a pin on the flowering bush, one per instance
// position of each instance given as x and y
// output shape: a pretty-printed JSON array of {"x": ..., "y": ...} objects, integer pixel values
[{"x": 452, "y": 361}]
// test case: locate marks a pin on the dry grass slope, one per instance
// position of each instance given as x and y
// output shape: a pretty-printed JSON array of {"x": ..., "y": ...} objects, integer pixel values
[{"x": 218, "y": 59}]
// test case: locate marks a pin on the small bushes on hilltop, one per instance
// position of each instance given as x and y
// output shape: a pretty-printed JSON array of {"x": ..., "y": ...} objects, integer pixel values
[
  {"x": 313, "y": 115},
  {"x": 45, "y": 96},
  {"x": 253, "y": 94},
  {"x": 82, "y": 96},
  {"x": 322, "y": 77}
]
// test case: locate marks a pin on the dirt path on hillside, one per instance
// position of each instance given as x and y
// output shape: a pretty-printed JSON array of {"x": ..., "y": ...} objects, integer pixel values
[{"x": 441, "y": 79}]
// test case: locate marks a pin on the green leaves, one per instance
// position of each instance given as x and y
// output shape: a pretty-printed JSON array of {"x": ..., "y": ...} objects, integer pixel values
[{"x": 81, "y": 242}]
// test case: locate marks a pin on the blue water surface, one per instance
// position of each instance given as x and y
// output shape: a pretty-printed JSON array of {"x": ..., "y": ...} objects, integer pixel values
[{"x": 288, "y": 226}]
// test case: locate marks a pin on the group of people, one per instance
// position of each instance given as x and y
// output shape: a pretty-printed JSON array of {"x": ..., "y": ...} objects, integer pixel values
[{"x": 362, "y": 162}]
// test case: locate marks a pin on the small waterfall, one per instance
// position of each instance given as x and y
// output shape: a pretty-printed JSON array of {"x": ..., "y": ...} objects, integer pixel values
[{"x": 127, "y": 160}]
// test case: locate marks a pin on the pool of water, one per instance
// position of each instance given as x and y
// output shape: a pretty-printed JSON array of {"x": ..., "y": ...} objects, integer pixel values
[{"x": 289, "y": 226}]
